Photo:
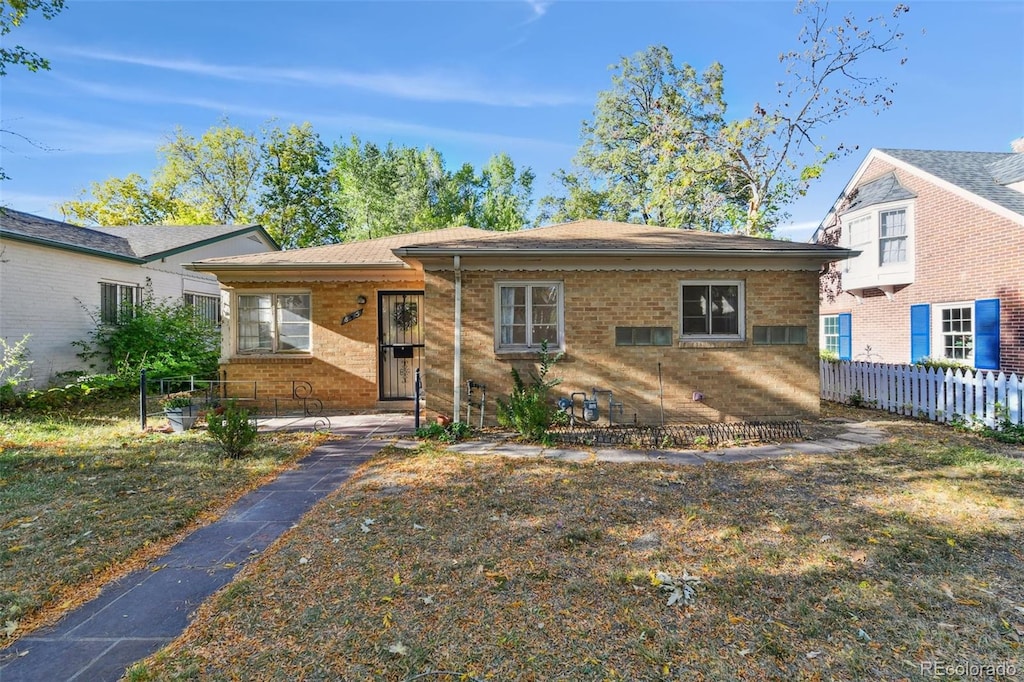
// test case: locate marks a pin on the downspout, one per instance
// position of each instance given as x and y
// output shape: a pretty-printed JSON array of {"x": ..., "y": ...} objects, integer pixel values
[{"x": 457, "y": 369}]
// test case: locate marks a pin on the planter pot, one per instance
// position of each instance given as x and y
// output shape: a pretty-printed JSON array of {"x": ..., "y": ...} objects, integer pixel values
[{"x": 181, "y": 418}]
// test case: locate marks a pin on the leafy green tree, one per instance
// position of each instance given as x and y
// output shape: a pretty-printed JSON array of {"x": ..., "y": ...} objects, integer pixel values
[
  {"x": 13, "y": 14},
  {"x": 304, "y": 193},
  {"x": 120, "y": 201},
  {"x": 297, "y": 201},
  {"x": 392, "y": 190},
  {"x": 215, "y": 179},
  {"x": 661, "y": 148},
  {"x": 505, "y": 195}
]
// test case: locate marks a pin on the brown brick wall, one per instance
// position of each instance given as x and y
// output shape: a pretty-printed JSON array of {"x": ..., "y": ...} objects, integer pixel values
[
  {"x": 963, "y": 252},
  {"x": 343, "y": 366},
  {"x": 739, "y": 381}
]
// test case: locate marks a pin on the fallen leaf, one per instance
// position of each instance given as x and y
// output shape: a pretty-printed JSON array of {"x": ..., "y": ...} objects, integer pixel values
[
  {"x": 812, "y": 654},
  {"x": 398, "y": 648},
  {"x": 10, "y": 627}
]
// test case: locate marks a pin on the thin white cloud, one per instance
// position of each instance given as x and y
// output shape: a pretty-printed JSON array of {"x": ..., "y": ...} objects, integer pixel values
[
  {"x": 422, "y": 87},
  {"x": 72, "y": 136},
  {"x": 539, "y": 7},
  {"x": 348, "y": 122},
  {"x": 36, "y": 204}
]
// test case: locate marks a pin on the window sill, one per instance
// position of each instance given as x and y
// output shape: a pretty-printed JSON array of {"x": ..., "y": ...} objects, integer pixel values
[
  {"x": 522, "y": 354},
  {"x": 712, "y": 343},
  {"x": 262, "y": 358}
]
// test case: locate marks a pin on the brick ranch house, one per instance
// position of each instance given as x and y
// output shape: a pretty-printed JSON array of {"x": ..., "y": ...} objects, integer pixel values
[
  {"x": 941, "y": 266},
  {"x": 711, "y": 327}
]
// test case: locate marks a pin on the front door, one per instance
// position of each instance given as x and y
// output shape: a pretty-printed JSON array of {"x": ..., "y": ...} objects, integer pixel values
[{"x": 400, "y": 330}]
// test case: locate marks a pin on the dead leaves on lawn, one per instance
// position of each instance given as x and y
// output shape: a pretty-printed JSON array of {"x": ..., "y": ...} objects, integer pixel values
[{"x": 537, "y": 570}]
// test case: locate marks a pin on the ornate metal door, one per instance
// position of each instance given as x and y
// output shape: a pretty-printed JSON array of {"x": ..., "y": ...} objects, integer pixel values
[{"x": 400, "y": 331}]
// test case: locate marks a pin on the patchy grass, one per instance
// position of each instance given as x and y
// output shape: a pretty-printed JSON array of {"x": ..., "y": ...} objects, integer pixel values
[
  {"x": 87, "y": 496},
  {"x": 862, "y": 566}
]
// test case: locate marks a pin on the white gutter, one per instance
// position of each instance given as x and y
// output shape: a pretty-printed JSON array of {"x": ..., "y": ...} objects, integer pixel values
[{"x": 457, "y": 369}]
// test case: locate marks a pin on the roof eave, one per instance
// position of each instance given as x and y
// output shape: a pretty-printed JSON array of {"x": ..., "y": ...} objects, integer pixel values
[
  {"x": 70, "y": 247},
  {"x": 829, "y": 254},
  {"x": 201, "y": 266},
  {"x": 213, "y": 240}
]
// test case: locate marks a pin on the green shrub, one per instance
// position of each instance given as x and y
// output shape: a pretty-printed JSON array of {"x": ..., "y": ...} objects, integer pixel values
[
  {"x": 452, "y": 433},
  {"x": 233, "y": 430},
  {"x": 828, "y": 355},
  {"x": 529, "y": 409},
  {"x": 167, "y": 338},
  {"x": 944, "y": 363}
]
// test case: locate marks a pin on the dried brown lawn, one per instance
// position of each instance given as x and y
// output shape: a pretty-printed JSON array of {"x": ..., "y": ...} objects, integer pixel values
[{"x": 866, "y": 565}]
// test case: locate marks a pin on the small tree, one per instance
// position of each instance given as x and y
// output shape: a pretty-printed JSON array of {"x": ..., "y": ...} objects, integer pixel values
[
  {"x": 233, "y": 430},
  {"x": 529, "y": 409}
]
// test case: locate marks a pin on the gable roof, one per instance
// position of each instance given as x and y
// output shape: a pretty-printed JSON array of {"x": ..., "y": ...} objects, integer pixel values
[
  {"x": 980, "y": 173},
  {"x": 880, "y": 191},
  {"x": 605, "y": 238},
  {"x": 368, "y": 253},
  {"x": 134, "y": 244}
]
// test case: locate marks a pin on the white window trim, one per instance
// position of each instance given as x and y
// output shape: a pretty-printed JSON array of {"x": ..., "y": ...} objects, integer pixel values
[
  {"x": 213, "y": 298},
  {"x": 498, "y": 284},
  {"x": 938, "y": 345},
  {"x": 741, "y": 297},
  {"x": 235, "y": 323},
  {"x": 866, "y": 270},
  {"x": 136, "y": 296},
  {"x": 822, "y": 338}
]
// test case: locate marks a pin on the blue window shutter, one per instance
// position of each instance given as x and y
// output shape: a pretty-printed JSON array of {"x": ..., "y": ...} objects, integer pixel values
[
  {"x": 845, "y": 336},
  {"x": 920, "y": 331},
  {"x": 986, "y": 333}
]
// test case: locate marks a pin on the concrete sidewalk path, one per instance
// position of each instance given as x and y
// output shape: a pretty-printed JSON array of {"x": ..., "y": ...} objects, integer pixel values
[{"x": 140, "y": 613}]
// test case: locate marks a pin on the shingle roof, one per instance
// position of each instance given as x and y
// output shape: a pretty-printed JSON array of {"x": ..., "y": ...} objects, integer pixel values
[
  {"x": 975, "y": 172},
  {"x": 147, "y": 241},
  {"x": 884, "y": 189},
  {"x": 368, "y": 253},
  {"x": 56, "y": 233},
  {"x": 596, "y": 237},
  {"x": 137, "y": 243}
]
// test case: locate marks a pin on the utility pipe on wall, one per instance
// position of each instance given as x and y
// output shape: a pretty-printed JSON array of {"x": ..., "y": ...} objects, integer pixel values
[{"x": 457, "y": 369}]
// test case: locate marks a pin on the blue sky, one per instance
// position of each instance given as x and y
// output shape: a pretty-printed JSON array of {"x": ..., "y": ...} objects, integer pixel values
[{"x": 468, "y": 78}]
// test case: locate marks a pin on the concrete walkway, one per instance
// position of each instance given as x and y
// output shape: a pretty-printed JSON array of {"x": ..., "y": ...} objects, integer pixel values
[{"x": 140, "y": 613}]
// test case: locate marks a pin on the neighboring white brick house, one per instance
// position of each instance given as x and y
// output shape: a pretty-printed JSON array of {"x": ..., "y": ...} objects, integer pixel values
[{"x": 55, "y": 277}]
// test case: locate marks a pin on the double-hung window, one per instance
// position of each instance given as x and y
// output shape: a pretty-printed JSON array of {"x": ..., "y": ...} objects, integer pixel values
[
  {"x": 830, "y": 334},
  {"x": 892, "y": 237},
  {"x": 118, "y": 302},
  {"x": 711, "y": 310},
  {"x": 273, "y": 323},
  {"x": 528, "y": 314},
  {"x": 956, "y": 331}
]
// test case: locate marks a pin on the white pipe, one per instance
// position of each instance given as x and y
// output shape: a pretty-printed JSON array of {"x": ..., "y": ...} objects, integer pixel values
[{"x": 457, "y": 369}]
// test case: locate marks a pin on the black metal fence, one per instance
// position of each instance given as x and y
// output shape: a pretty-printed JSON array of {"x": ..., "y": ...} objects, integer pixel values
[
  {"x": 677, "y": 436},
  {"x": 279, "y": 399}
]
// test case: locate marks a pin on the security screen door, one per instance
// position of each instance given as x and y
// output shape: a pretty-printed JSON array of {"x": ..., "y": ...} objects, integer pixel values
[{"x": 400, "y": 330}]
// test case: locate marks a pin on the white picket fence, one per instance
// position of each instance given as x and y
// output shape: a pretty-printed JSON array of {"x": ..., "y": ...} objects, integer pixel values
[{"x": 939, "y": 395}]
